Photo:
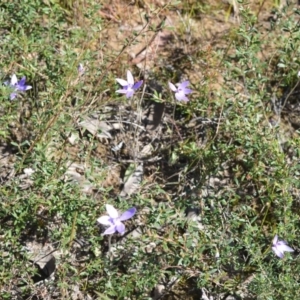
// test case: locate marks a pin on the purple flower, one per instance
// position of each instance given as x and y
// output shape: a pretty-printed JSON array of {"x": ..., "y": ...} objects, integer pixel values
[
  {"x": 181, "y": 90},
  {"x": 80, "y": 69},
  {"x": 279, "y": 247},
  {"x": 129, "y": 87},
  {"x": 114, "y": 221},
  {"x": 17, "y": 86}
]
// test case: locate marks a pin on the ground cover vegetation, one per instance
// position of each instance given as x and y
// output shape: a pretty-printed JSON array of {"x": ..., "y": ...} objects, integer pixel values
[{"x": 180, "y": 181}]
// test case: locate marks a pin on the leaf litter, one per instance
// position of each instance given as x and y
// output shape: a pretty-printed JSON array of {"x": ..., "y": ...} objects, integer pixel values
[{"x": 132, "y": 180}]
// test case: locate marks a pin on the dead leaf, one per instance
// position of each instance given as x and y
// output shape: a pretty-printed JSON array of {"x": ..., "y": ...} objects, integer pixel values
[
  {"x": 146, "y": 151},
  {"x": 75, "y": 173},
  {"x": 42, "y": 257},
  {"x": 133, "y": 181},
  {"x": 97, "y": 128}
]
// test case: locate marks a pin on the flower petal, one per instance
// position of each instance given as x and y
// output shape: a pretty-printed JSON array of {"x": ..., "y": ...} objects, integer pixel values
[
  {"x": 128, "y": 214},
  {"x": 120, "y": 227},
  {"x": 129, "y": 93},
  {"x": 172, "y": 87},
  {"x": 137, "y": 85},
  {"x": 187, "y": 91},
  {"x": 112, "y": 212},
  {"x": 275, "y": 240},
  {"x": 105, "y": 220},
  {"x": 122, "y": 82},
  {"x": 130, "y": 79},
  {"x": 28, "y": 87},
  {"x": 277, "y": 252},
  {"x": 180, "y": 96},
  {"x": 13, "y": 80},
  {"x": 80, "y": 68},
  {"x": 13, "y": 96},
  {"x": 183, "y": 84},
  {"x": 22, "y": 82},
  {"x": 110, "y": 230},
  {"x": 123, "y": 91},
  {"x": 285, "y": 248}
]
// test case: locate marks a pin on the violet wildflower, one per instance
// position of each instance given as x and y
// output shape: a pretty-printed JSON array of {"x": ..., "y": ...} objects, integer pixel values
[
  {"x": 181, "y": 90},
  {"x": 114, "y": 221},
  {"x": 279, "y": 247},
  {"x": 80, "y": 69},
  {"x": 17, "y": 86},
  {"x": 129, "y": 87}
]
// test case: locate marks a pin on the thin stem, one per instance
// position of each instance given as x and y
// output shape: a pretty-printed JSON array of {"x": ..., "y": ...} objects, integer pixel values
[{"x": 109, "y": 243}]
